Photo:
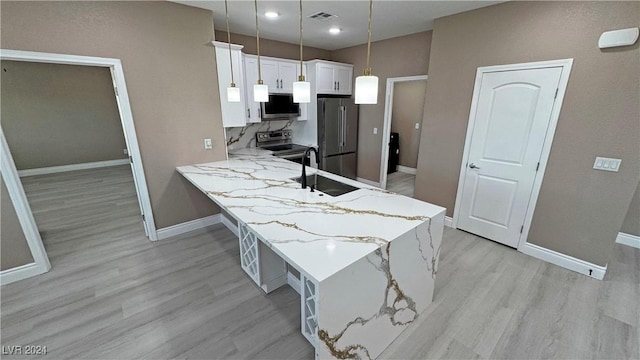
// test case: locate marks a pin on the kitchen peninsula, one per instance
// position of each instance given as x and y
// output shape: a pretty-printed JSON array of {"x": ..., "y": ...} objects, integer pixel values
[{"x": 367, "y": 259}]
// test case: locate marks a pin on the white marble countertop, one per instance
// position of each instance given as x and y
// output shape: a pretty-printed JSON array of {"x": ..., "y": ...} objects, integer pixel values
[{"x": 317, "y": 234}]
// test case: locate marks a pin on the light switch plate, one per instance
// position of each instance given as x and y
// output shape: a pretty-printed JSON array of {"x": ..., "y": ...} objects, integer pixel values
[
  {"x": 607, "y": 164},
  {"x": 375, "y": 131},
  {"x": 417, "y": 126},
  {"x": 208, "y": 145}
]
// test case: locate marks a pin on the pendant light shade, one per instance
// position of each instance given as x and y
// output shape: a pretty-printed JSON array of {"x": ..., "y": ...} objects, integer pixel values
[
  {"x": 367, "y": 89},
  {"x": 367, "y": 85},
  {"x": 233, "y": 93},
  {"x": 301, "y": 88},
  {"x": 260, "y": 90},
  {"x": 302, "y": 91}
]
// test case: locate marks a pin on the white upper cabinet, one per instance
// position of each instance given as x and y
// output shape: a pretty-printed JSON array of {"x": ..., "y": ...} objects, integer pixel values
[
  {"x": 279, "y": 75},
  {"x": 252, "y": 111},
  {"x": 233, "y": 113},
  {"x": 331, "y": 78}
]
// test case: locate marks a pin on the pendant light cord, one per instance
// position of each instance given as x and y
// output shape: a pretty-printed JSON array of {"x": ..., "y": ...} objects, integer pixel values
[
  {"x": 255, "y": 2},
  {"x": 301, "y": 77},
  {"x": 367, "y": 69},
  {"x": 226, "y": 10}
]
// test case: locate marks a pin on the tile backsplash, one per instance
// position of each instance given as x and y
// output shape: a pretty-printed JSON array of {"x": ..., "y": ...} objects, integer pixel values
[{"x": 244, "y": 137}]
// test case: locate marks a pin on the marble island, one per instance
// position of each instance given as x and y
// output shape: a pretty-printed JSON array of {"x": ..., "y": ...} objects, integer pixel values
[{"x": 367, "y": 259}]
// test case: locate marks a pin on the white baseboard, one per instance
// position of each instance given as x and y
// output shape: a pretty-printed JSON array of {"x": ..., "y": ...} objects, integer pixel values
[
  {"x": 294, "y": 282},
  {"x": 72, "y": 167},
  {"x": 629, "y": 240},
  {"x": 368, "y": 182},
  {"x": 20, "y": 273},
  {"x": 448, "y": 221},
  {"x": 189, "y": 226},
  {"x": 565, "y": 261},
  {"x": 230, "y": 225},
  {"x": 406, "y": 169}
]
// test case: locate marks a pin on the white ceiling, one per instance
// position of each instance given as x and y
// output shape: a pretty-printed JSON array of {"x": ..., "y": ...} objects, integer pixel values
[{"x": 390, "y": 19}]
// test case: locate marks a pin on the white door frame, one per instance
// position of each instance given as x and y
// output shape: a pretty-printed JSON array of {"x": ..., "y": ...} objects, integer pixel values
[
  {"x": 386, "y": 127},
  {"x": 566, "y": 65},
  {"x": 18, "y": 198},
  {"x": 126, "y": 117}
]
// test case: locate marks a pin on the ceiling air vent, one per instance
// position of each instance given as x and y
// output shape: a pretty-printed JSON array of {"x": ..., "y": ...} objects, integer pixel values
[{"x": 322, "y": 16}]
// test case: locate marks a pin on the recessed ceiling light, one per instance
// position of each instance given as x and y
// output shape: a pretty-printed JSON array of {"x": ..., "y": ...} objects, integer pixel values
[
  {"x": 271, "y": 14},
  {"x": 335, "y": 30}
]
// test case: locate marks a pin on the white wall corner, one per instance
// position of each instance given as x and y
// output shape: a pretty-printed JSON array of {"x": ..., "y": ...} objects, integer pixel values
[
  {"x": 189, "y": 226},
  {"x": 565, "y": 261},
  {"x": 629, "y": 240}
]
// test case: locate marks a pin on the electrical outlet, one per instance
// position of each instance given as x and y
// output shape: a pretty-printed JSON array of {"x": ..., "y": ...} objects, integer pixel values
[
  {"x": 208, "y": 144},
  {"x": 607, "y": 164},
  {"x": 417, "y": 126},
  {"x": 126, "y": 151},
  {"x": 375, "y": 131}
]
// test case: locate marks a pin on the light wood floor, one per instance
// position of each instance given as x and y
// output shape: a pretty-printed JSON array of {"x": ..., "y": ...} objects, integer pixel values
[
  {"x": 112, "y": 294},
  {"x": 401, "y": 183}
]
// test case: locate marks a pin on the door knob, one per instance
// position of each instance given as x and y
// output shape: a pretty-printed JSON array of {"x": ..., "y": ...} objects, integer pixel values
[{"x": 473, "y": 166}]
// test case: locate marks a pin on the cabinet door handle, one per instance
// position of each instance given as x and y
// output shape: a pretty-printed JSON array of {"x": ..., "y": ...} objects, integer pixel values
[
  {"x": 338, "y": 85},
  {"x": 249, "y": 113}
]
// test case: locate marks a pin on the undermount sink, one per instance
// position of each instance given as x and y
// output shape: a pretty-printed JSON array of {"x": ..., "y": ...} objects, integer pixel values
[{"x": 327, "y": 186}]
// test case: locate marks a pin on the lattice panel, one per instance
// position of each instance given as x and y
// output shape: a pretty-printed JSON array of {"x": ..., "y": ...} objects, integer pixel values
[
  {"x": 249, "y": 257},
  {"x": 309, "y": 309}
]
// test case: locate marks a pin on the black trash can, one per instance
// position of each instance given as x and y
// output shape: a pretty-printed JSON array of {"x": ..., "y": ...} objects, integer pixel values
[{"x": 394, "y": 152}]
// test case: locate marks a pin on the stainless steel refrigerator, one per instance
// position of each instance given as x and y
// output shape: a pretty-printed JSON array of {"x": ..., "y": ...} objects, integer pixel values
[{"x": 338, "y": 135}]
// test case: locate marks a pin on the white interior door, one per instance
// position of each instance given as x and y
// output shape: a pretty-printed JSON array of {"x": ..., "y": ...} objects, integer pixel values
[{"x": 512, "y": 114}]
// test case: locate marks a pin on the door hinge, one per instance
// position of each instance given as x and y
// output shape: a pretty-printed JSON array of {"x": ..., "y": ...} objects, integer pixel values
[
  {"x": 131, "y": 159},
  {"x": 115, "y": 89},
  {"x": 143, "y": 219},
  {"x": 538, "y": 166},
  {"x": 556, "y": 95},
  {"x": 521, "y": 229}
]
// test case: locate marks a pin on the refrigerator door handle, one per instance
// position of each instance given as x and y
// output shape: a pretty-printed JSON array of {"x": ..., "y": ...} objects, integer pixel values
[{"x": 343, "y": 118}]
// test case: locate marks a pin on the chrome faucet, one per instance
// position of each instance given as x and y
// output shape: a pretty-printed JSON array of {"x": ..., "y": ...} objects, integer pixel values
[{"x": 303, "y": 178}]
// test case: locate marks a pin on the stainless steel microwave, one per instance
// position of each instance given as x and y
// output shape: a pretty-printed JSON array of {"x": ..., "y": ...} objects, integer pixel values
[{"x": 280, "y": 106}]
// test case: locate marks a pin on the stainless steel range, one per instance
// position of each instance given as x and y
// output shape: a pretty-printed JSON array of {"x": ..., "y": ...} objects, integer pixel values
[{"x": 280, "y": 142}]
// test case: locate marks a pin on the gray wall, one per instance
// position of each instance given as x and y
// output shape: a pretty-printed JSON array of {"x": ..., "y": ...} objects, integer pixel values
[
  {"x": 408, "y": 106},
  {"x": 169, "y": 65},
  {"x": 631, "y": 224},
  {"x": 400, "y": 56},
  {"x": 14, "y": 250},
  {"x": 56, "y": 114},
  {"x": 579, "y": 210}
]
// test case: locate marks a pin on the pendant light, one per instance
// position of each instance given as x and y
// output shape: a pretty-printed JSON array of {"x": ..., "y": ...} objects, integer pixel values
[
  {"x": 233, "y": 92},
  {"x": 260, "y": 90},
  {"x": 367, "y": 85},
  {"x": 301, "y": 88}
]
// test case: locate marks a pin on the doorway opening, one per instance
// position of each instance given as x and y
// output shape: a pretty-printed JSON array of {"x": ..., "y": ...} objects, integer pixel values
[
  {"x": 404, "y": 107},
  {"x": 71, "y": 145}
]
